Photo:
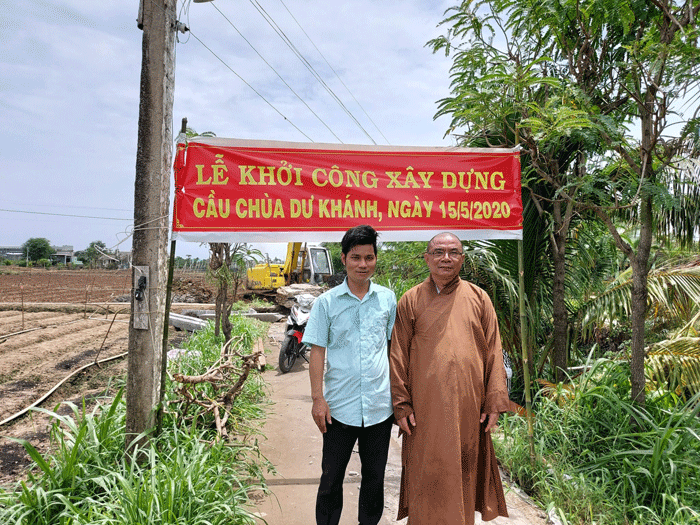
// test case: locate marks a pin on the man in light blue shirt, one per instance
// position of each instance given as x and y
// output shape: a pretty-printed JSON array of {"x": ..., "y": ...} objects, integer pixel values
[{"x": 348, "y": 331}]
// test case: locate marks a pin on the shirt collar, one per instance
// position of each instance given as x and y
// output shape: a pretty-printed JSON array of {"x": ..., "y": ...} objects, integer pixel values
[{"x": 345, "y": 289}]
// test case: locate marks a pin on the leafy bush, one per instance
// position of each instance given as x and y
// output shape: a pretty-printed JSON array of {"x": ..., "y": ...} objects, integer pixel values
[{"x": 628, "y": 464}]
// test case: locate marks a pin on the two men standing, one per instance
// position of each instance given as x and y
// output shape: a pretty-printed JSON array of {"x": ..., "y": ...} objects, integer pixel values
[{"x": 448, "y": 386}]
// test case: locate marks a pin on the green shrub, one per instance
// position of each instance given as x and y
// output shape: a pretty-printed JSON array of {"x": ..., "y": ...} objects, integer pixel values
[{"x": 628, "y": 464}]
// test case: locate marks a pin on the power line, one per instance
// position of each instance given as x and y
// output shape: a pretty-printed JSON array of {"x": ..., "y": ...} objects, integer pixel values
[
  {"x": 278, "y": 75},
  {"x": 185, "y": 28},
  {"x": 65, "y": 215},
  {"x": 335, "y": 72},
  {"x": 247, "y": 84},
  {"x": 68, "y": 206},
  {"x": 307, "y": 64}
]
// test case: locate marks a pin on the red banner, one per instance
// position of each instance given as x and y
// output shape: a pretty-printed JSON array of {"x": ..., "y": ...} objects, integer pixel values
[{"x": 229, "y": 190}]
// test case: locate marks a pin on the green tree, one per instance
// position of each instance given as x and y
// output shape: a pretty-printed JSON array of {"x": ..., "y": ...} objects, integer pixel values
[
  {"x": 572, "y": 74},
  {"x": 242, "y": 257},
  {"x": 190, "y": 133},
  {"x": 507, "y": 95},
  {"x": 37, "y": 248},
  {"x": 92, "y": 253},
  {"x": 652, "y": 65},
  {"x": 227, "y": 266}
]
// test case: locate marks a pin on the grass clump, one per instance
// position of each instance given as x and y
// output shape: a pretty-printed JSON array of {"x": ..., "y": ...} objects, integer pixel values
[
  {"x": 603, "y": 459},
  {"x": 186, "y": 476},
  {"x": 255, "y": 304}
]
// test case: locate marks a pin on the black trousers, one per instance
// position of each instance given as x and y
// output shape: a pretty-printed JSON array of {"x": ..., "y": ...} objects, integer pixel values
[{"x": 338, "y": 442}]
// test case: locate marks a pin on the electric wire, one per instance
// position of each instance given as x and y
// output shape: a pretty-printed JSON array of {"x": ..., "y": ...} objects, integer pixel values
[
  {"x": 185, "y": 9},
  {"x": 101, "y": 208},
  {"x": 307, "y": 64},
  {"x": 251, "y": 87},
  {"x": 65, "y": 215},
  {"x": 128, "y": 233},
  {"x": 335, "y": 72},
  {"x": 278, "y": 75},
  {"x": 268, "y": 18},
  {"x": 232, "y": 70}
]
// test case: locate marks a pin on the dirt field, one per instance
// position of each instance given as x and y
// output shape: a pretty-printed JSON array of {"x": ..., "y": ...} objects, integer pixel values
[
  {"x": 52, "y": 323},
  {"x": 32, "y": 285}
]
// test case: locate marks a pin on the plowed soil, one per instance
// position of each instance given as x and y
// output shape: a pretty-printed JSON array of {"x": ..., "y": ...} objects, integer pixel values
[{"x": 53, "y": 323}]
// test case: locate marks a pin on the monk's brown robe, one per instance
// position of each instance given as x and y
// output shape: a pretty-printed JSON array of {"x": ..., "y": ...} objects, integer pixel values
[{"x": 447, "y": 368}]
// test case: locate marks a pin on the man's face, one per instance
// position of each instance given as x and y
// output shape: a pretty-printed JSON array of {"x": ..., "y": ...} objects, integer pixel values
[
  {"x": 360, "y": 263},
  {"x": 444, "y": 258}
]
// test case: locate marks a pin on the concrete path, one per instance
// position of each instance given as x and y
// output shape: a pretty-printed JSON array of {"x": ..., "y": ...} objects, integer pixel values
[{"x": 294, "y": 445}]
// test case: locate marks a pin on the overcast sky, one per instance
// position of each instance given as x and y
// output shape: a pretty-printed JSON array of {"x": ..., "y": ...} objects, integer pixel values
[{"x": 69, "y": 96}]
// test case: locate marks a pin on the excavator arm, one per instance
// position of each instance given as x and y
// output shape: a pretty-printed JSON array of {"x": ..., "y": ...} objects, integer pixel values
[{"x": 291, "y": 262}]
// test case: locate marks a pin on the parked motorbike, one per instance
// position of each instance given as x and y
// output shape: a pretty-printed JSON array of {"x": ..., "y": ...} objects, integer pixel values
[{"x": 292, "y": 347}]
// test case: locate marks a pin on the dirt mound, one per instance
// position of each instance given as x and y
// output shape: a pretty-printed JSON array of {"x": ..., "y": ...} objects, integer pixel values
[{"x": 187, "y": 290}]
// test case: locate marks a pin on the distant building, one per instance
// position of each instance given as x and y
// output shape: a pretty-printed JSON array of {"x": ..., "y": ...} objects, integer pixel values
[
  {"x": 13, "y": 253},
  {"x": 124, "y": 259},
  {"x": 63, "y": 254},
  {"x": 117, "y": 260}
]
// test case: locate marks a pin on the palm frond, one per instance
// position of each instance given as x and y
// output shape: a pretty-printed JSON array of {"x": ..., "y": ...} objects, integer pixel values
[
  {"x": 674, "y": 293},
  {"x": 674, "y": 364},
  {"x": 558, "y": 392}
]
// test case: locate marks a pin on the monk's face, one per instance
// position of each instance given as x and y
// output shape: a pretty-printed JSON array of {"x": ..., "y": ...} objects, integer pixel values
[
  {"x": 444, "y": 258},
  {"x": 360, "y": 263}
]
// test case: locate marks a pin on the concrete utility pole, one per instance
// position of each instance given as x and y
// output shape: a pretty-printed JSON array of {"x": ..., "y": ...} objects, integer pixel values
[{"x": 157, "y": 18}]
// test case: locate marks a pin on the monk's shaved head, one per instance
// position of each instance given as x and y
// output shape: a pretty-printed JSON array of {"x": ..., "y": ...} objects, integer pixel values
[
  {"x": 443, "y": 236},
  {"x": 444, "y": 257}
]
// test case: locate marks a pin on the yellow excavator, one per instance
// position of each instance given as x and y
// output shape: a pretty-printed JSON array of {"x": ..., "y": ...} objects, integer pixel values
[{"x": 305, "y": 263}]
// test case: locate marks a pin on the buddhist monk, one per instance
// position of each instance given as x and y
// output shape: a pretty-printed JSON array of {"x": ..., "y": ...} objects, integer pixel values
[{"x": 448, "y": 387}]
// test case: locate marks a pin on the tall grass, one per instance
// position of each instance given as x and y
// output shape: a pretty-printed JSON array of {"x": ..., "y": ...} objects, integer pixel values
[
  {"x": 185, "y": 476},
  {"x": 605, "y": 460}
]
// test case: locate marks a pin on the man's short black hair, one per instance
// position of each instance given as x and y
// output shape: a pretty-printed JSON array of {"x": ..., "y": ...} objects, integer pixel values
[{"x": 357, "y": 236}]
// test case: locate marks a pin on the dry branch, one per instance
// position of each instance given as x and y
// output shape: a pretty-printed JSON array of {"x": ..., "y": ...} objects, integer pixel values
[{"x": 232, "y": 368}]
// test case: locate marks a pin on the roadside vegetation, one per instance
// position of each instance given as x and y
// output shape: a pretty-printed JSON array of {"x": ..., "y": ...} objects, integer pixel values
[
  {"x": 189, "y": 474},
  {"x": 601, "y": 458}
]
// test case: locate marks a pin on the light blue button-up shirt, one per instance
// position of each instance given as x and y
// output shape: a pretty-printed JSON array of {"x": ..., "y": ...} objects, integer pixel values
[{"x": 354, "y": 333}]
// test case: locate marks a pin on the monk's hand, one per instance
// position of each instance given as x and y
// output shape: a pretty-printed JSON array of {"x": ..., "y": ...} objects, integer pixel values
[
  {"x": 492, "y": 422},
  {"x": 405, "y": 423},
  {"x": 321, "y": 413}
]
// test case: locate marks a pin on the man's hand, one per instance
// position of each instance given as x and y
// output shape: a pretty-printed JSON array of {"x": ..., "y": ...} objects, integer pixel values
[
  {"x": 493, "y": 420},
  {"x": 405, "y": 423},
  {"x": 321, "y": 413}
]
